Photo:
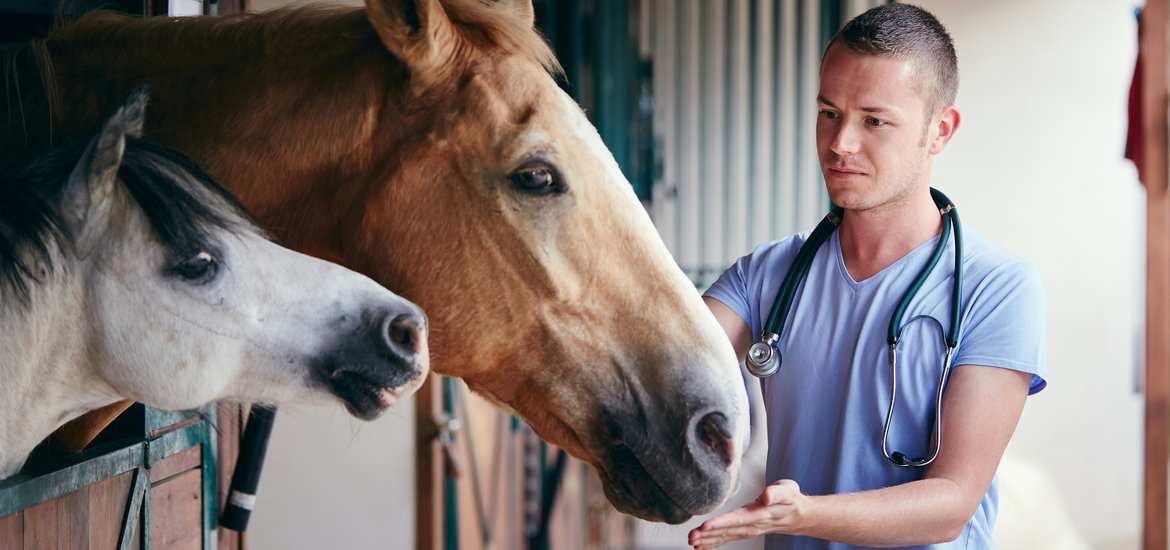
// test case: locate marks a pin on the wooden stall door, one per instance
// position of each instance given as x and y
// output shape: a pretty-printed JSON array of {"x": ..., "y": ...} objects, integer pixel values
[
  {"x": 148, "y": 482},
  {"x": 1154, "y": 73}
]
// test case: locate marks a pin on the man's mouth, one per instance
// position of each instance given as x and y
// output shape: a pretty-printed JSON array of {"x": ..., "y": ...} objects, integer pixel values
[{"x": 845, "y": 171}]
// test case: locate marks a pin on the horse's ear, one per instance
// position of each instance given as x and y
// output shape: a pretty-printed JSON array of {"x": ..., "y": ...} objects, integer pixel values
[
  {"x": 416, "y": 31},
  {"x": 134, "y": 111},
  {"x": 87, "y": 197}
]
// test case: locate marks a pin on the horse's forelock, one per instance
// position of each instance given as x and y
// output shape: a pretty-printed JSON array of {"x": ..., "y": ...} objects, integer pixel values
[{"x": 182, "y": 203}]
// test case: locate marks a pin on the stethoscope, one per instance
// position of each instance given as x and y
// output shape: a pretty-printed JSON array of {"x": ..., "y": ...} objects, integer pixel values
[{"x": 763, "y": 359}]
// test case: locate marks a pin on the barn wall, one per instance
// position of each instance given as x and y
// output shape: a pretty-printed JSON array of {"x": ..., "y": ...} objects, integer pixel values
[{"x": 1037, "y": 166}]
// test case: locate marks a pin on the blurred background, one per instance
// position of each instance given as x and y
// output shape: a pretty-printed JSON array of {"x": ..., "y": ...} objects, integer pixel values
[{"x": 708, "y": 106}]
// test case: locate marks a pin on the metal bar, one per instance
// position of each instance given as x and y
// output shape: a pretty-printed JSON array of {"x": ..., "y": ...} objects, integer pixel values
[
  {"x": 133, "y": 510},
  {"x": 146, "y": 512},
  {"x": 786, "y": 141},
  {"x": 461, "y": 413},
  {"x": 173, "y": 442},
  {"x": 210, "y": 482},
  {"x": 738, "y": 153},
  {"x": 550, "y": 487},
  {"x": 450, "y": 491},
  {"x": 691, "y": 237},
  {"x": 613, "y": 71},
  {"x": 712, "y": 88}
]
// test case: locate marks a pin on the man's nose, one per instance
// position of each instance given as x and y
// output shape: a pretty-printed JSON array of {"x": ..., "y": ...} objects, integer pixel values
[{"x": 845, "y": 139}]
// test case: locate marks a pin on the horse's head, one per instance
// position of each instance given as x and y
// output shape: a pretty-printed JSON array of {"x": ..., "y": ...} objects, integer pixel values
[
  {"x": 187, "y": 301},
  {"x": 553, "y": 294}
]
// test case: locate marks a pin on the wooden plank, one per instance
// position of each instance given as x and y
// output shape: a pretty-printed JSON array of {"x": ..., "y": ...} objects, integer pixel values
[
  {"x": 229, "y": 422},
  {"x": 12, "y": 531},
  {"x": 429, "y": 465},
  {"x": 73, "y": 520},
  {"x": 1154, "y": 155},
  {"x": 176, "y": 464},
  {"x": 107, "y": 504},
  {"x": 40, "y": 526},
  {"x": 176, "y": 507}
]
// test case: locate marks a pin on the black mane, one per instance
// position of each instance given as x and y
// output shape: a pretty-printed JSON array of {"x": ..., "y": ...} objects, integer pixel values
[{"x": 177, "y": 196}]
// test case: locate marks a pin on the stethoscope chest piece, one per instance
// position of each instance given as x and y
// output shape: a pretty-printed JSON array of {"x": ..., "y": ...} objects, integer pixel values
[{"x": 763, "y": 359}]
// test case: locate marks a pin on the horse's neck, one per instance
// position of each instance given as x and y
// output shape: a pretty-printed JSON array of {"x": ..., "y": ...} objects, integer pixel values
[{"x": 43, "y": 365}]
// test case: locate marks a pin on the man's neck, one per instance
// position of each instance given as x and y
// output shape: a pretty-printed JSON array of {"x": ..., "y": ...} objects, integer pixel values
[{"x": 872, "y": 240}]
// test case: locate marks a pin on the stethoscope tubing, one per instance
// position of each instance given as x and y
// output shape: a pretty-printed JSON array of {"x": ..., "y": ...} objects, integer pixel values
[{"x": 764, "y": 357}]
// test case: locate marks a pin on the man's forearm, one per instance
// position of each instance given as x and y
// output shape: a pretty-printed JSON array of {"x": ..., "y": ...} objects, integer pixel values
[{"x": 920, "y": 512}]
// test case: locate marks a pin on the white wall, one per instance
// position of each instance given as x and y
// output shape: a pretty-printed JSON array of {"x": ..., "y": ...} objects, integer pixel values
[
  {"x": 332, "y": 481},
  {"x": 1037, "y": 166}
]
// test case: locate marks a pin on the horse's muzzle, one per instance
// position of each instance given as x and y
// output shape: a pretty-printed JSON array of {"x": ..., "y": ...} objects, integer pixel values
[
  {"x": 656, "y": 477},
  {"x": 381, "y": 359}
]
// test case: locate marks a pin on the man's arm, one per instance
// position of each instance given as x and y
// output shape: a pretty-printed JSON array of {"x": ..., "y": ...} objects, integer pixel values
[
  {"x": 981, "y": 407},
  {"x": 737, "y": 330}
]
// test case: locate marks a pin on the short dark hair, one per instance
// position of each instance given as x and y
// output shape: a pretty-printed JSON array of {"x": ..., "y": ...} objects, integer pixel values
[{"x": 912, "y": 33}]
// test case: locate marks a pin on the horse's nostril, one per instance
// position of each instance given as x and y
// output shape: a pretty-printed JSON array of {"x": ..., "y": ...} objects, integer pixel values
[
  {"x": 404, "y": 335},
  {"x": 715, "y": 435}
]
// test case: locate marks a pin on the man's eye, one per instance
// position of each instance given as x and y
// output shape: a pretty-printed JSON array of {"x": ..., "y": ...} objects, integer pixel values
[
  {"x": 875, "y": 122},
  {"x": 828, "y": 114}
]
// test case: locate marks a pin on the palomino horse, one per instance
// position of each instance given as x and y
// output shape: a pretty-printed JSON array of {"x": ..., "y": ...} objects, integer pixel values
[
  {"x": 425, "y": 144},
  {"x": 126, "y": 272}
]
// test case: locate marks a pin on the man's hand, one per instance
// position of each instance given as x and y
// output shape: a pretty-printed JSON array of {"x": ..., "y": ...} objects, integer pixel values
[{"x": 773, "y": 512}]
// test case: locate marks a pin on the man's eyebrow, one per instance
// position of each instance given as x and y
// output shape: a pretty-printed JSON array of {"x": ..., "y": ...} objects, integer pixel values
[{"x": 821, "y": 99}]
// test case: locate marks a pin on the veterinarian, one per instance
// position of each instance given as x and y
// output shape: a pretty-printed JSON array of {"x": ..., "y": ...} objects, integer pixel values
[{"x": 889, "y": 401}]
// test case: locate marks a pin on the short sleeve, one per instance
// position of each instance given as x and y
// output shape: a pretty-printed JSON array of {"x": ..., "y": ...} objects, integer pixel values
[
  {"x": 1006, "y": 323},
  {"x": 744, "y": 286},
  {"x": 731, "y": 289}
]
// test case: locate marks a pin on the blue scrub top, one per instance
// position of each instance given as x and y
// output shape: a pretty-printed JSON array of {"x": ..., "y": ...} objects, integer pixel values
[{"x": 827, "y": 404}]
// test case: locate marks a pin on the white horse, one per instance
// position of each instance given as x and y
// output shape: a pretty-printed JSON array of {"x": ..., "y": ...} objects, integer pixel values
[{"x": 127, "y": 273}]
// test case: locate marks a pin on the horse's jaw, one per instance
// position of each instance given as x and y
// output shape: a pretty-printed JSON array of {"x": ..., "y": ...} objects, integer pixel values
[
  {"x": 665, "y": 431},
  {"x": 47, "y": 379}
]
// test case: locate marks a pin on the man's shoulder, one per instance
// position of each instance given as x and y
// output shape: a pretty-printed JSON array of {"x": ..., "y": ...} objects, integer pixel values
[
  {"x": 990, "y": 267},
  {"x": 983, "y": 255},
  {"x": 779, "y": 250}
]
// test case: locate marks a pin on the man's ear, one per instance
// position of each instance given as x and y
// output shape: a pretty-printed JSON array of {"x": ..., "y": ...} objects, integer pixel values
[{"x": 944, "y": 124}]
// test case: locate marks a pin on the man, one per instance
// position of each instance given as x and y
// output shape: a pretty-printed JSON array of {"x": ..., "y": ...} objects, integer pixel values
[{"x": 888, "y": 84}]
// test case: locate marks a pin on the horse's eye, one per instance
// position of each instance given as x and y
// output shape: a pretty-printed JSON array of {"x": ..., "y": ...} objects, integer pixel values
[
  {"x": 200, "y": 267},
  {"x": 537, "y": 180}
]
